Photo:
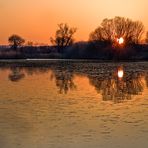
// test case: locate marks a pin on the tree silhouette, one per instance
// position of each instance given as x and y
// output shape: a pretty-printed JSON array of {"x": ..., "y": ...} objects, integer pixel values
[
  {"x": 112, "y": 29},
  {"x": 16, "y": 74},
  {"x": 64, "y": 81},
  {"x": 15, "y": 41},
  {"x": 63, "y": 36},
  {"x": 118, "y": 90}
]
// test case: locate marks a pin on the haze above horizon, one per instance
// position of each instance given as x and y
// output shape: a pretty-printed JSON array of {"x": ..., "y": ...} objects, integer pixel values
[{"x": 36, "y": 20}]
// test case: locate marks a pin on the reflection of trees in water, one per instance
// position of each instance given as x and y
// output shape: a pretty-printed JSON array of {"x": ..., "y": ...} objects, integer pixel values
[
  {"x": 36, "y": 70},
  {"x": 63, "y": 77},
  {"x": 115, "y": 89},
  {"x": 146, "y": 79},
  {"x": 64, "y": 81},
  {"x": 16, "y": 74},
  {"x": 103, "y": 78}
]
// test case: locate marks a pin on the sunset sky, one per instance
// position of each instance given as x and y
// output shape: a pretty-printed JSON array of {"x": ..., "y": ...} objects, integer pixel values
[{"x": 36, "y": 20}]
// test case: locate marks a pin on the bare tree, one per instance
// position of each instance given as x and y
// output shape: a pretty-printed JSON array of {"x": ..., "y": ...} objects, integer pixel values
[
  {"x": 15, "y": 41},
  {"x": 63, "y": 36},
  {"x": 112, "y": 29}
]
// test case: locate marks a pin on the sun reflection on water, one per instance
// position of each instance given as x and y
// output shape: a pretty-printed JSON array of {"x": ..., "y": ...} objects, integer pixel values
[{"x": 120, "y": 73}]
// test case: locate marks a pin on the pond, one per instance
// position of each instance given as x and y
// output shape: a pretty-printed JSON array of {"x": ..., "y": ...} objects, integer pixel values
[{"x": 73, "y": 104}]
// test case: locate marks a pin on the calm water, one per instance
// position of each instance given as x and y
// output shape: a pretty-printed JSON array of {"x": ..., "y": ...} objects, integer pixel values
[{"x": 74, "y": 105}]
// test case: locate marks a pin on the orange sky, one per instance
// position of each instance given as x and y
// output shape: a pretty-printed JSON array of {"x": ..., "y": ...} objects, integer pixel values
[{"x": 36, "y": 20}]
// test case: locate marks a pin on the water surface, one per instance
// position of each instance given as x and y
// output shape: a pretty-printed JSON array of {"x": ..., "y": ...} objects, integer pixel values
[{"x": 74, "y": 104}]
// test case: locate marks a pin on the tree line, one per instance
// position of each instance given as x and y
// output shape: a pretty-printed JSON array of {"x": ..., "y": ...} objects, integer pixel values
[
  {"x": 104, "y": 38},
  {"x": 108, "y": 31}
]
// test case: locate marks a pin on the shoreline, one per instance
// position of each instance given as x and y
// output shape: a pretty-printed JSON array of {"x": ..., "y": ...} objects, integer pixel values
[
  {"x": 49, "y": 62},
  {"x": 85, "y": 60}
]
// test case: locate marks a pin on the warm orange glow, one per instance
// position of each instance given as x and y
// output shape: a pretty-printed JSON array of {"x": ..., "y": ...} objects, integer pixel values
[
  {"x": 120, "y": 40},
  {"x": 120, "y": 73},
  {"x": 36, "y": 20}
]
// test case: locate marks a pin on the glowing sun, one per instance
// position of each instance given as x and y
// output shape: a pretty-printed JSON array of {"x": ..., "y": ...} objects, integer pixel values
[
  {"x": 120, "y": 73},
  {"x": 120, "y": 40}
]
